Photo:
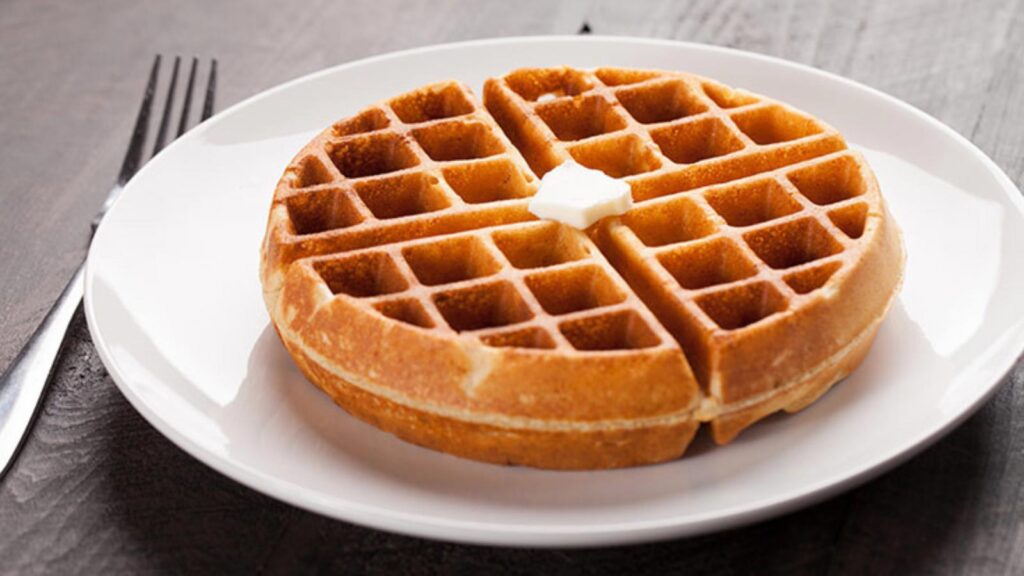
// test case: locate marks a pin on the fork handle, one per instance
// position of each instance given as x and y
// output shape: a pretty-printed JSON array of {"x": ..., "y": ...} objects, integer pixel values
[{"x": 23, "y": 384}]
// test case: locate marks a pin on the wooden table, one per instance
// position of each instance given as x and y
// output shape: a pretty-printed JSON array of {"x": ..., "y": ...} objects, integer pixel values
[{"x": 97, "y": 490}]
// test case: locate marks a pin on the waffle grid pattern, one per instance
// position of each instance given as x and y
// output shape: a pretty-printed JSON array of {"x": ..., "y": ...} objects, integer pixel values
[
  {"x": 742, "y": 263},
  {"x": 663, "y": 133},
  {"x": 738, "y": 242},
  {"x": 495, "y": 285},
  {"x": 738, "y": 209},
  {"x": 427, "y": 162}
]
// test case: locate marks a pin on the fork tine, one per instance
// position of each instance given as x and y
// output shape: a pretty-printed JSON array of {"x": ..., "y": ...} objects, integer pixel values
[
  {"x": 187, "y": 106},
  {"x": 211, "y": 89},
  {"x": 134, "y": 153},
  {"x": 161, "y": 134}
]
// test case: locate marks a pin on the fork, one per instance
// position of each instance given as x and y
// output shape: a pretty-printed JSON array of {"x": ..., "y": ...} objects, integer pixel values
[{"x": 25, "y": 381}]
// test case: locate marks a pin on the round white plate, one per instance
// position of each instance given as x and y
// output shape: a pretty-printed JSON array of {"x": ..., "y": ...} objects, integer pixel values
[{"x": 173, "y": 301}]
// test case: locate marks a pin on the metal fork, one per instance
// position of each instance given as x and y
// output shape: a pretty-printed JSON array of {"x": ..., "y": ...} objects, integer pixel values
[{"x": 24, "y": 383}]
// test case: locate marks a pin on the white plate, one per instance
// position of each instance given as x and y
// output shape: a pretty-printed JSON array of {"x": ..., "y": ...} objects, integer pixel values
[{"x": 174, "y": 306}]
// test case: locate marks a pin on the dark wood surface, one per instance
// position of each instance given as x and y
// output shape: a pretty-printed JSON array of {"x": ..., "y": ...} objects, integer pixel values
[{"x": 97, "y": 490}]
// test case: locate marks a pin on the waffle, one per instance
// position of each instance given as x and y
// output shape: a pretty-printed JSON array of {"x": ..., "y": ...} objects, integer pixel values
[{"x": 407, "y": 279}]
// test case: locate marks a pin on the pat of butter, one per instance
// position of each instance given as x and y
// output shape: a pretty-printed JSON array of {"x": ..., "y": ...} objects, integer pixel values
[{"x": 578, "y": 196}]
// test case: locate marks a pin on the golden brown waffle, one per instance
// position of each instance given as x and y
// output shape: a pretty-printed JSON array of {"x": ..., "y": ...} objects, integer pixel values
[{"x": 407, "y": 279}]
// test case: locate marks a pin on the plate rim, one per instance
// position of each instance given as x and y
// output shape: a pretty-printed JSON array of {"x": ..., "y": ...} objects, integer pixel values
[{"x": 557, "y": 535}]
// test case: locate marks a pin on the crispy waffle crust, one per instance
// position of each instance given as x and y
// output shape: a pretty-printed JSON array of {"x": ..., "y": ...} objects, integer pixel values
[{"x": 407, "y": 279}]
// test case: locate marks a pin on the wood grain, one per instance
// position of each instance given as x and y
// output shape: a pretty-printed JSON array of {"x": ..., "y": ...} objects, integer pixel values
[{"x": 97, "y": 490}]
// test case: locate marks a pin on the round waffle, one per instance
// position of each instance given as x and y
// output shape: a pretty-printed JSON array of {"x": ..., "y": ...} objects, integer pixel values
[{"x": 407, "y": 279}]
